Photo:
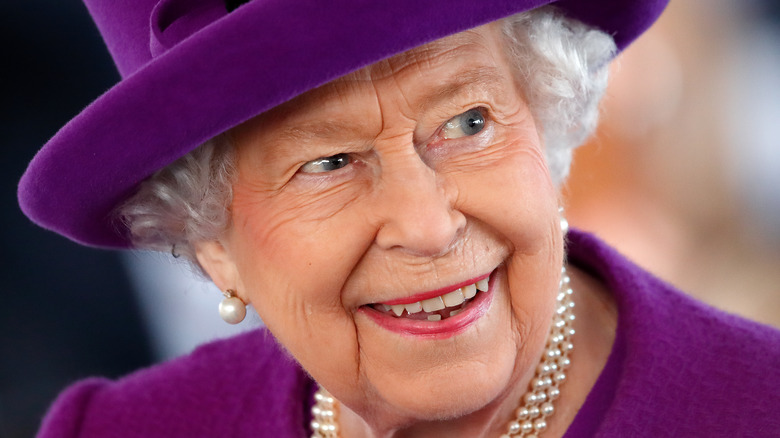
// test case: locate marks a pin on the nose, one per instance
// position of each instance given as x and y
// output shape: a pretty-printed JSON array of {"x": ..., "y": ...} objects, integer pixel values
[{"x": 417, "y": 209}]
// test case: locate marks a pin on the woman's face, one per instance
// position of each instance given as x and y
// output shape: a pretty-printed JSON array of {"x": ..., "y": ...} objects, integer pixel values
[{"x": 397, "y": 184}]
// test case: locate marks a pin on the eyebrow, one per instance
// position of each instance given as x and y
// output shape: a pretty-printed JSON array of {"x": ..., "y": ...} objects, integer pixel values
[
  {"x": 488, "y": 78},
  {"x": 314, "y": 130},
  {"x": 484, "y": 77}
]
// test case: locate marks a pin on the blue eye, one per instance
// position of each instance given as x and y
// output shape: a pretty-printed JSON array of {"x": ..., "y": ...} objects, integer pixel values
[
  {"x": 463, "y": 125},
  {"x": 326, "y": 164}
]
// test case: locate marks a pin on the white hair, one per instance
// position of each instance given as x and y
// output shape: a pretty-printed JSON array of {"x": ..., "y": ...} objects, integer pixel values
[{"x": 560, "y": 64}]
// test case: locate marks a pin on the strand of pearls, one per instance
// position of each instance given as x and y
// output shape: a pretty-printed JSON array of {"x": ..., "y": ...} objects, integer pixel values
[
  {"x": 531, "y": 417},
  {"x": 324, "y": 415}
]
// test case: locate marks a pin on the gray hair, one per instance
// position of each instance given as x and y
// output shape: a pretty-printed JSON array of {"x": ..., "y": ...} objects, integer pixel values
[{"x": 560, "y": 65}]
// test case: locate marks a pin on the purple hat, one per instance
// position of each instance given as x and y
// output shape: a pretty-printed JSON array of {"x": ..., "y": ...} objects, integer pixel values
[{"x": 191, "y": 70}]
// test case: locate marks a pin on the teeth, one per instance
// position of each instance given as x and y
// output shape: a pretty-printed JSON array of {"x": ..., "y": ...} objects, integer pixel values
[
  {"x": 451, "y": 299},
  {"x": 414, "y": 307},
  {"x": 433, "y": 304},
  {"x": 454, "y": 298},
  {"x": 469, "y": 291}
]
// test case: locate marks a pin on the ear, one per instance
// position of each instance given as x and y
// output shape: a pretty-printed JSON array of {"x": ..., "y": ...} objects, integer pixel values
[{"x": 218, "y": 264}]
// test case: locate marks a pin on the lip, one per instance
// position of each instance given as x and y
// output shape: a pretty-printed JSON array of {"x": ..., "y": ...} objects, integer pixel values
[
  {"x": 443, "y": 329},
  {"x": 435, "y": 293}
]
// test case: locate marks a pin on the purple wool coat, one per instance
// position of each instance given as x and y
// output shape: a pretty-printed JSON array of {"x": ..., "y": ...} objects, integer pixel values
[{"x": 678, "y": 368}]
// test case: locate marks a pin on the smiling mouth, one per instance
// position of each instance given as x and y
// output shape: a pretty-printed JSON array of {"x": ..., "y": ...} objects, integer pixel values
[{"x": 437, "y": 308}]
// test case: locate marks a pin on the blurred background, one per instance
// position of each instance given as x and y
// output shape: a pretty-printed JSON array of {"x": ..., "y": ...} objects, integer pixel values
[{"x": 683, "y": 176}]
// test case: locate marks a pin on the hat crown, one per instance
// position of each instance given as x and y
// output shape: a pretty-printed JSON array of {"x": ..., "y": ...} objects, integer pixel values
[{"x": 137, "y": 31}]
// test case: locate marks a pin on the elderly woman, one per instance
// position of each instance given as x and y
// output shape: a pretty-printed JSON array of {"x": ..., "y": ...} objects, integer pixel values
[{"x": 380, "y": 181}]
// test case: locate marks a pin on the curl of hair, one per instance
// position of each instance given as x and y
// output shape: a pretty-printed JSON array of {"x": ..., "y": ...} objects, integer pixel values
[
  {"x": 560, "y": 64},
  {"x": 186, "y": 202}
]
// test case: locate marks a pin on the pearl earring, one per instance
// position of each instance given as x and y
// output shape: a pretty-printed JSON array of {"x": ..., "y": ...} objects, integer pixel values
[
  {"x": 564, "y": 222},
  {"x": 232, "y": 309}
]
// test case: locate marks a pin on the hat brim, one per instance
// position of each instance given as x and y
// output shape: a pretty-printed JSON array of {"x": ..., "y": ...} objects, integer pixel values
[{"x": 262, "y": 54}]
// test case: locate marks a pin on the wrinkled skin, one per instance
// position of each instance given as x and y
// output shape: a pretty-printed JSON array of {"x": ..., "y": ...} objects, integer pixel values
[{"x": 413, "y": 205}]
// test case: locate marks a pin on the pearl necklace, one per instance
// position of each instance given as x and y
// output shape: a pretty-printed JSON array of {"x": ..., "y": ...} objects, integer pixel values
[{"x": 537, "y": 403}]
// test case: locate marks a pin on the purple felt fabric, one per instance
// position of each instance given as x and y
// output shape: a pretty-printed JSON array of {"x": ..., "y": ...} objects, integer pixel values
[
  {"x": 678, "y": 368},
  {"x": 245, "y": 387},
  {"x": 191, "y": 71}
]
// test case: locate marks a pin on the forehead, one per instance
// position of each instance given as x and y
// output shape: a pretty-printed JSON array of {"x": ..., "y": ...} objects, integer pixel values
[
  {"x": 438, "y": 67},
  {"x": 471, "y": 46}
]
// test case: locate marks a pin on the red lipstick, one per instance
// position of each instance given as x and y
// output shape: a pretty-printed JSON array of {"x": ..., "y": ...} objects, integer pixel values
[
  {"x": 435, "y": 293},
  {"x": 451, "y": 326}
]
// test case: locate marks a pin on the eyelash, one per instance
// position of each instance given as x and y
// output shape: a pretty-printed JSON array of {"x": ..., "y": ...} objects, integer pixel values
[
  {"x": 342, "y": 158},
  {"x": 476, "y": 116}
]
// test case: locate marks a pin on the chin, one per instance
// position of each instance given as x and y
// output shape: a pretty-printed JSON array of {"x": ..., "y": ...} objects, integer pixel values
[
  {"x": 456, "y": 388},
  {"x": 460, "y": 400},
  {"x": 459, "y": 394}
]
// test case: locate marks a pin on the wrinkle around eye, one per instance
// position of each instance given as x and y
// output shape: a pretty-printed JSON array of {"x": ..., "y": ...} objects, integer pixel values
[
  {"x": 448, "y": 149},
  {"x": 501, "y": 150},
  {"x": 320, "y": 199}
]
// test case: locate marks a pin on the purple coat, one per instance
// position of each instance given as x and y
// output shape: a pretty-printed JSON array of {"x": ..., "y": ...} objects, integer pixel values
[{"x": 678, "y": 368}]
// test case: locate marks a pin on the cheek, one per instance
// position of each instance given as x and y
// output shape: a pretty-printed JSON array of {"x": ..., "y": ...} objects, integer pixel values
[
  {"x": 286, "y": 263},
  {"x": 514, "y": 195},
  {"x": 510, "y": 189},
  {"x": 296, "y": 229},
  {"x": 285, "y": 259}
]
